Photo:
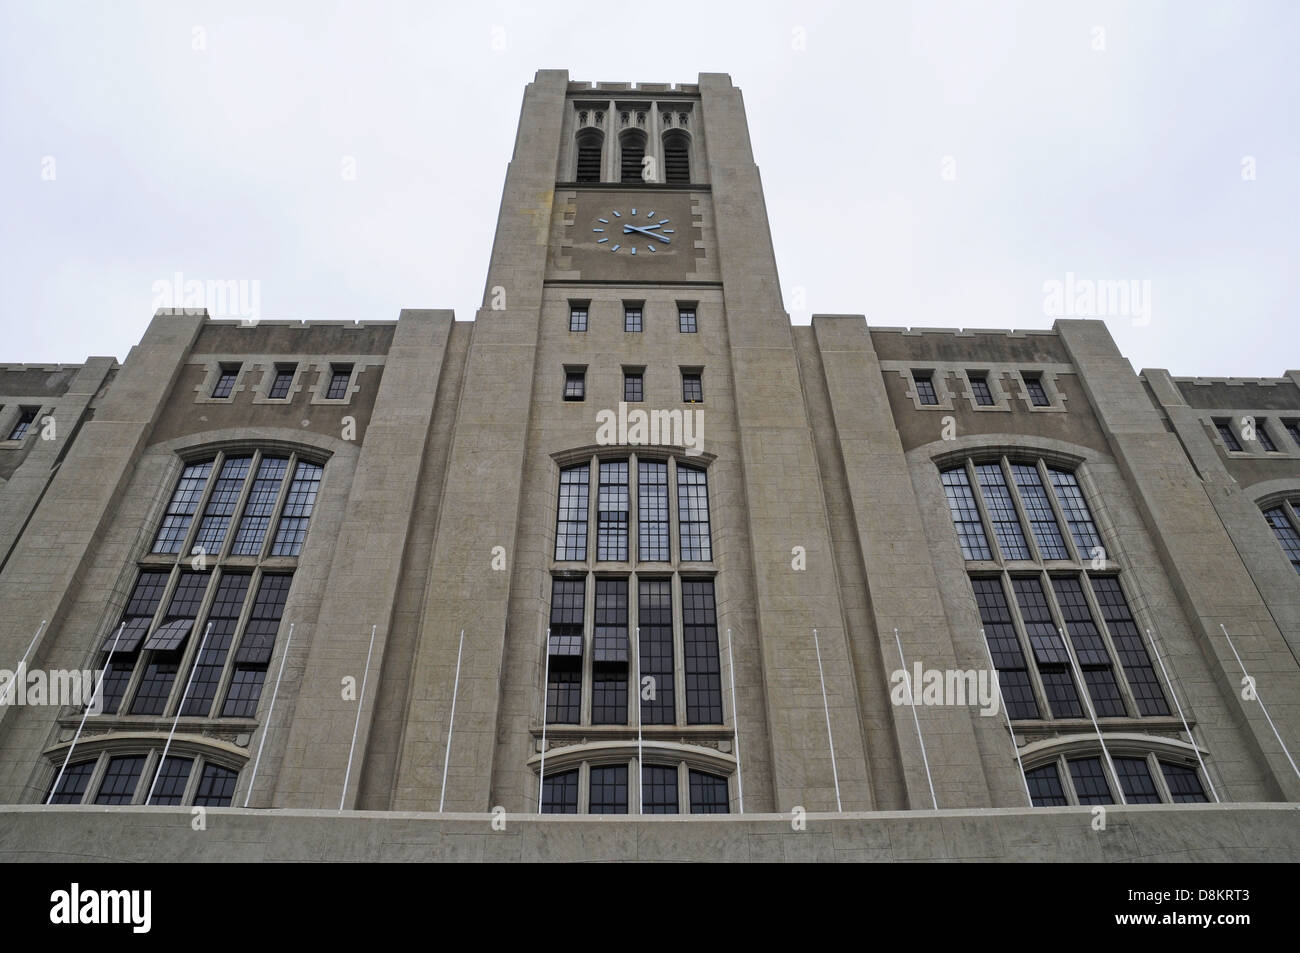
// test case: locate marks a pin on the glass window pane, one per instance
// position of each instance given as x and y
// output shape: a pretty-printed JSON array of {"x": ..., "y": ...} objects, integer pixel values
[
  {"x": 700, "y": 643},
  {"x": 169, "y": 783},
  {"x": 693, "y": 514},
  {"x": 612, "y": 512},
  {"x": 1090, "y": 785},
  {"x": 118, "y": 785},
  {"x": 260, "y": 506},
  {"x": 1129, "y": 646},
  {"x": 659, "y": 789},
  {"x": 221, "y": 504},
  {"x": 1184, "y": 783},
  {"x": 72, "y": 786},
  {"x": 298, "y": 505},
  {"x": 708, "y": 793},
  {"x": 608, "y": 789},
  {"x": 1135, "y": 780},
  {"x": 1004, "y": 646},
  {"x": 216, "y": 786},
  {"x": 180, "y": 510},
  {"x": 1039, "y": 511},
  {"x": 560, "y": 793},
  {"x": 1001, "y": 511},
  {"x": 1045, "y": 787},
  {"x": 965, "y": 515},
  {"x": 655, "y": 618},
  {"x": 652, "y": 510},
  {"x": 571, "y": 520}
]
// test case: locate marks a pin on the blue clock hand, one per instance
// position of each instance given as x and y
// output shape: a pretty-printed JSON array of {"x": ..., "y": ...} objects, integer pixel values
[{"x": 629, "y": 229}]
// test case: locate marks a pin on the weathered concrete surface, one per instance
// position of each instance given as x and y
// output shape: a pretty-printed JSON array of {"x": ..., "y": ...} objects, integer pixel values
[{"x": 1147, "y": 833}]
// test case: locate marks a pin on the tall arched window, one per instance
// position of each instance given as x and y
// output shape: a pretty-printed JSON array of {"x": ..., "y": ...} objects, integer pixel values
[
  {"x": 1039, "y": 571},
  {"x": 631, "y": 153},
  {"x": 218, "y": 574},
  {"x": 677, "y": 158},
  {"x": 590, "y": 144}
]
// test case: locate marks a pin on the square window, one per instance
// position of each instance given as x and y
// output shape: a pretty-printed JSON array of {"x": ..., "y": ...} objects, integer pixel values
[
  {"x": 686, "y": 319},
  {"x": 633, "y": 386},
  {"x": 575, "y": 385},
  {"x": 225, "y": 385},
  {"x": 1037, "y": 393},
  {"x": 1227, "y": 435},
  {"x": 283, "y": 381},
  {"x": 692, "y": 387},
  {"x": 925, "y": 388},
  {"x": 24, "y": 423},
  {"x": 340, "y": 378},
  {"x": 578, "y": 315},
  {"x": 632, "y": 316},
  {"x": 1262, "y": 435}
]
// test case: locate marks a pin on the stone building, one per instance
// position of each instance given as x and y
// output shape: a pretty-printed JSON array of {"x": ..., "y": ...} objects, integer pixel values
[{"x": 397, "y": 566}]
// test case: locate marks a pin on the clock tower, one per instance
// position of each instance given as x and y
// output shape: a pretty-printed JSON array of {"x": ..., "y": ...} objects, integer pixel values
[{"x": 633, "y": 266}]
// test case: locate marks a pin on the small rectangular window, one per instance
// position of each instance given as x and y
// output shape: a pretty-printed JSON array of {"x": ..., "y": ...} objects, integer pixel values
[
  {"x": 340, "y": 378},
  {"x": 708, "y": 793},
  {"x": 575, "y": 385},
  {"x": 686, "y": 319},
  {"x": 1037, "y": 393},
  {"x": 283, "y": 381},
  {"x": 560, "y": 793},
  {"x": 1184, "y": 783},
  {"x": 578, "y": 315},
  {"x": 1045, "y": 787},
  {"x": 225, "y": 385},
  {"x": 692, "y": 387},
  {"x": 633, "y": 386},
  {"x": 24, "y": 423},
  {"x": 1293, "y": 428},
  {"x": 608, "y": 789},
  {"x": 1090, "y": 781},
  {"x": 1227, "y": 435},
  {"x": 659, "y": 789},
  {"x": 632, "y": 316},
  {"x": 1262, "y": 435},
  {"x": 979, "y": 388},
  {"x": 118, "y": 786},
  {"x": 925, "y": 388}
]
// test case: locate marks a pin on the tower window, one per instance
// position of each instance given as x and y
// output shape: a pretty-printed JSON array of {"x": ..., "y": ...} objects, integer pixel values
[
  {"x": 575, "y": 385},
  {"x": 1037, "y": 393},
  {"x": 578, "y": 315},
  {"x": 633, "y": 386},
  {"x": 692, "y": 387},
  {"x": 1262, "y": 435},
  {"x": 677, "y": 159},
  {"x": 1293, "y": 428},
  {"x": 925, "y": 388},
  {"x": 979, "y": 388},
  {"x": 590, "y": 144},
  {"x": 686, "y": 319},
  {"x": 225, "y": 385},
  {"x": 340, "y": 378},
  {"x": 24, "y": 423},
  {"x": 282, "y": 382},
  {"x": 632, "y": 316},
  {"x": 1227, "y": 435},
  {"x": 632, "y": 155}
]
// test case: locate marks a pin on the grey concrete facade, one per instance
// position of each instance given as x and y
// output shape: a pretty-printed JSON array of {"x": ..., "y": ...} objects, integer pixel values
[{"x": 1105, "y": 531}]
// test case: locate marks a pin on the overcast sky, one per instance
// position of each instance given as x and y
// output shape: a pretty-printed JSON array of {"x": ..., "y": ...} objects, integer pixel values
[{"x": 925, "y": 164}]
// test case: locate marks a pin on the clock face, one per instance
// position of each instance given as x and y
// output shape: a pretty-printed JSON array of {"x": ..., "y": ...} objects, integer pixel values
[{"x": 637, "y": 230}]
